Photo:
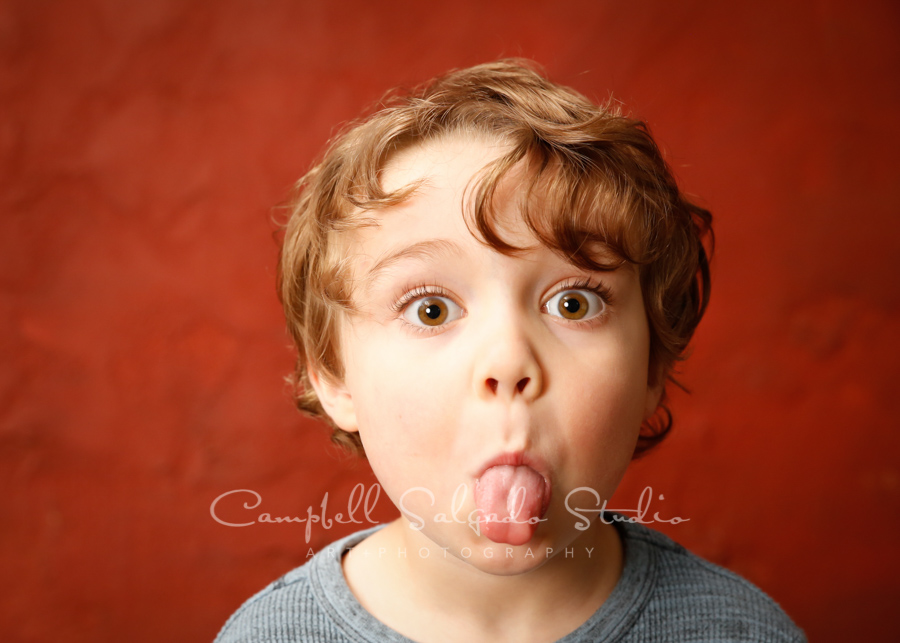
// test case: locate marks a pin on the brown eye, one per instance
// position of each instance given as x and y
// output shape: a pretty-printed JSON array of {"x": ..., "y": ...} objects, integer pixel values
[
  {"x": 432, "y": 311},
  {"x": 575, "y": 305}
]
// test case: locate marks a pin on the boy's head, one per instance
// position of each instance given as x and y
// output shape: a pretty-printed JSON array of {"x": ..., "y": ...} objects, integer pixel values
[{"x": 589, "y": 184}]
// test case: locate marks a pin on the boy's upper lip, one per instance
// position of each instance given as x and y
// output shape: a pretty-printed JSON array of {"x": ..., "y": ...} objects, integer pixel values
[{"x": 517, "y": 459}]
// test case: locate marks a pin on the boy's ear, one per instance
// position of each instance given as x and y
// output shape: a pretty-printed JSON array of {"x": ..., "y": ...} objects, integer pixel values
[{"x": 335, "y": 399}]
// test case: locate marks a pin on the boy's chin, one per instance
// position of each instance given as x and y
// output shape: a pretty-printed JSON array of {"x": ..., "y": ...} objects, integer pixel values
[{"x": 502, "y": 559}]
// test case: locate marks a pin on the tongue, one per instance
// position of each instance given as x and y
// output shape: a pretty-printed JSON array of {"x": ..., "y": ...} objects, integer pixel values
[{"x": 510, "y": 501}]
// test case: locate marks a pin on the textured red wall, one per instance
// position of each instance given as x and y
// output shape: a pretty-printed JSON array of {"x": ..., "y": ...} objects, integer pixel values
[{"x": 142, "y": 145}]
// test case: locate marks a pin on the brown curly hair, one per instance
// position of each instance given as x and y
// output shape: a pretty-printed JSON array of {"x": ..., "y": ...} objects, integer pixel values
[{"x": 595, "y": 176}]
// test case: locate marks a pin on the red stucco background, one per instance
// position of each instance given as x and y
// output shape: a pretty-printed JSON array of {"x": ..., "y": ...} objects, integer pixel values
[{"x": 142, "y": 145}]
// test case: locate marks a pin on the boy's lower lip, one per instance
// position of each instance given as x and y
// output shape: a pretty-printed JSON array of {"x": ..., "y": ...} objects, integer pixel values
[{"x": 518, "y": 459}]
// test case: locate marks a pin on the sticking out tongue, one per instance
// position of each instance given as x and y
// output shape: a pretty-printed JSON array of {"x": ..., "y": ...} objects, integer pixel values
[{"x": 510, "y": 501}]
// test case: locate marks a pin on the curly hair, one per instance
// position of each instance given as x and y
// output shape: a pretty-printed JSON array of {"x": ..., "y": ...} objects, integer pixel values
[{"x": 595, "y": 178}]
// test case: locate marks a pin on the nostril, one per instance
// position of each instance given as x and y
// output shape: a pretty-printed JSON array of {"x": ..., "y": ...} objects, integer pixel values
[
  {"x": 522, "y": 384},
  {"x": 492, "y": 384}
]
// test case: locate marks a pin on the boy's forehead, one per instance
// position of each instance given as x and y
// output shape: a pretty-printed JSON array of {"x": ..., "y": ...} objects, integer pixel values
[
  {"x": 443, "y": 174},
  {"x": 435, "y": 173},
  {"x": 435, "y": 220},
  {"x": 441, "y": 161}
]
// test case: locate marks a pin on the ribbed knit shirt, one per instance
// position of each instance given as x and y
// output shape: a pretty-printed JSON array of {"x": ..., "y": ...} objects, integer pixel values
[{"x": 665, "y": 594}]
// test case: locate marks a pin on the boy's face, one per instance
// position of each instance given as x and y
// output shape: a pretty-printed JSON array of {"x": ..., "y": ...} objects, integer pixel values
[{"x": 460, "y": 355}]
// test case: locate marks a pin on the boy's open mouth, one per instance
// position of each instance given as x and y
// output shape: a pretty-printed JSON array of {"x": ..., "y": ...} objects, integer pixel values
[{"x": 511, "y": 499}]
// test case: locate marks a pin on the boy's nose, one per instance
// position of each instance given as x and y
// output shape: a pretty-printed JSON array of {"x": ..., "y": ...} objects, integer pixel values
[
  {"x": 508, "y": 369},
  {"x": 520, "y": 385}
]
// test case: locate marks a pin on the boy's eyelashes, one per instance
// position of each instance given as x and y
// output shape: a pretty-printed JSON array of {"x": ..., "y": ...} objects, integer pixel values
[
  {"x": 427, "y": 307},
  {"x": 417, "y": 293}
]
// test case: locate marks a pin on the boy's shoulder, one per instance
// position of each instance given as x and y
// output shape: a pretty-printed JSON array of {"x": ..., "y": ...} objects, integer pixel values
[
  {"x": 306, "y": 604},
  {"x": 276, "y": 612},
  {"x": 689, "y": 598}
]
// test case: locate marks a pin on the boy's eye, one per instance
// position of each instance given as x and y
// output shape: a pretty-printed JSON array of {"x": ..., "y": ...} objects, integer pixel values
[
  {"x": 432, "y": 311},
  {"x": 575, "y": 304}
]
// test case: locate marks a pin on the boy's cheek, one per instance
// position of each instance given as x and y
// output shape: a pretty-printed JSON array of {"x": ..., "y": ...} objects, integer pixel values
[{"x": 402, "y": 406}]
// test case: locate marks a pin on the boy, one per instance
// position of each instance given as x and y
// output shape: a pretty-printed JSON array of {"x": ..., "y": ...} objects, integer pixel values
[{"x": 488, "y": 282}]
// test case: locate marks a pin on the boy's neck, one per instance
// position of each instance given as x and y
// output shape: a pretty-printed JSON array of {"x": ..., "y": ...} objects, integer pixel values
[{"x": 420, "y": 597}]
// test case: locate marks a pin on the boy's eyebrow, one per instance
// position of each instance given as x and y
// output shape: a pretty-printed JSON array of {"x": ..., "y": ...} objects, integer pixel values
[{"x": 426, "y": 248}]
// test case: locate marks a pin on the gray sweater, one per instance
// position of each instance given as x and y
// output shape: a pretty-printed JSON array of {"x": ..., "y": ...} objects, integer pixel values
[{"x": 665, "y": 594}]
